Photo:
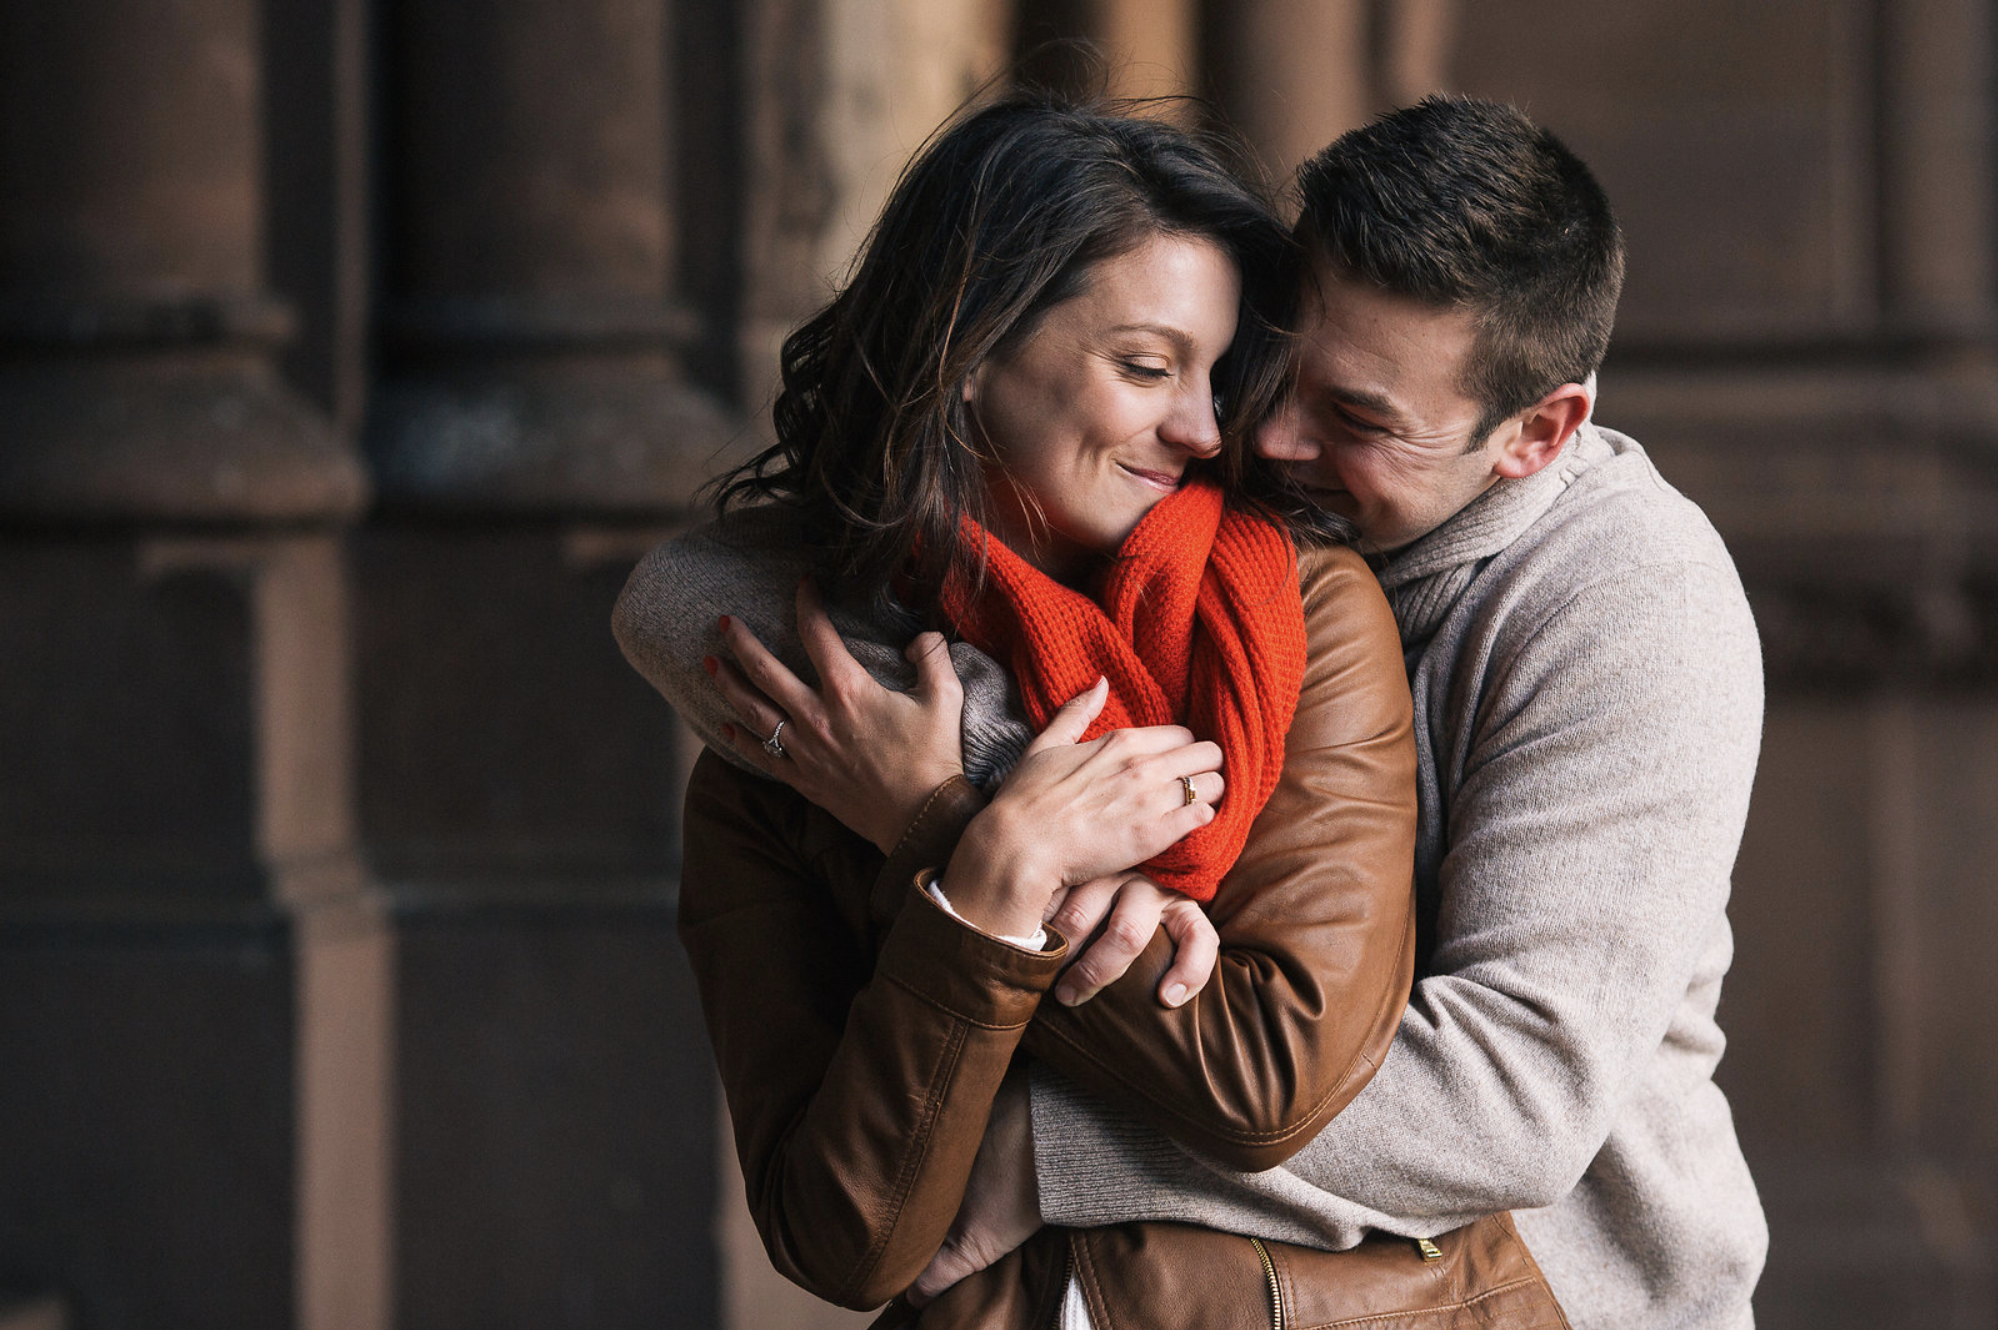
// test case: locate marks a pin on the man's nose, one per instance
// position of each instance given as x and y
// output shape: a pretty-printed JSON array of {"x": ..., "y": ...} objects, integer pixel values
[{"x": 1281, "y": 439}]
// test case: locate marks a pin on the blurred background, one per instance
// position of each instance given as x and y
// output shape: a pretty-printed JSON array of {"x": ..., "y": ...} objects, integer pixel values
[{"x": 352, "y": 350}]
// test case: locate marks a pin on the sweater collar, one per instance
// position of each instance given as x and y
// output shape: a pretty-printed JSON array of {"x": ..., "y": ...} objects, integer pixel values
[{"x": 1426, "y": 578}]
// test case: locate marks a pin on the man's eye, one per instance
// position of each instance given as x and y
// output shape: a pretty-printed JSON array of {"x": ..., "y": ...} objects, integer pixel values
[{"x": 1357, "y": 425}]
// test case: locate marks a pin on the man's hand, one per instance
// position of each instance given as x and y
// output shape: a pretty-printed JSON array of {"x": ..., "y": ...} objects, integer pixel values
[
  {"x": 1002, "y": 1200},
  {"x": 1129, "y": 908}
]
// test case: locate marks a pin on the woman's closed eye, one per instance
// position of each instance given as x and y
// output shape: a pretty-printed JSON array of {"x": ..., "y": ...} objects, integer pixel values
[{"x": 1149, "y": 371}]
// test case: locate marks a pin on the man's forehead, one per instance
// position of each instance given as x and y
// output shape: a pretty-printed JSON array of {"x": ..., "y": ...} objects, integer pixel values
[{"x": 1362, "y": 340}]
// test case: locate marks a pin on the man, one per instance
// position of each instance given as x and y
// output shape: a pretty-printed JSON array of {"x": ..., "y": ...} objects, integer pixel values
[{"x": 1588, "y": 709}]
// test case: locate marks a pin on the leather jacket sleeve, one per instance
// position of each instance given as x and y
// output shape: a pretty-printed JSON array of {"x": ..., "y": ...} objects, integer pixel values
[
  {"x": 1316, "y": 919},
  {"x": 861, "y": 1032}
]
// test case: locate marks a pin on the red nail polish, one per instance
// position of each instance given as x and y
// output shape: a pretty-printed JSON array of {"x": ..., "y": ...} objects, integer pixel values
[
  {"x": 722, "y": 623},
  {"x": 710, "y": 664},
  {"x": 728, "y": 732}
]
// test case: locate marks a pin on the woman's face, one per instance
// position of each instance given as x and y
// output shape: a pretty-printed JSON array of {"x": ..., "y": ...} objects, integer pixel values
[{"x": 1095, "y": 417}]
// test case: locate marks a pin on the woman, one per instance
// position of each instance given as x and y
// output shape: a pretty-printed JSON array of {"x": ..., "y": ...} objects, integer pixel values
[{"x": 1031, "y": 347}]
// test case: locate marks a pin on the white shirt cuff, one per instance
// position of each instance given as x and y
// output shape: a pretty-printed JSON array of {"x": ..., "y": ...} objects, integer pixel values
[{"x": 1038, "y": 942}]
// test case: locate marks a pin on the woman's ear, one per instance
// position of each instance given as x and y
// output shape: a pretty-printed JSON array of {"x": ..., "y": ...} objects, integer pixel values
[{"x": 971, "y": 382}]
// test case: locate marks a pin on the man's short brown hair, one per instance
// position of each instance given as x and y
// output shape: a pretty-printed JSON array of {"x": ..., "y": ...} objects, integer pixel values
[{"x": 1466, "y": 203}]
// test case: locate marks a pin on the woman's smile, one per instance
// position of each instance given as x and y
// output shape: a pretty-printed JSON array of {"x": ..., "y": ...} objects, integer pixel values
[{"x": 1167, "y": 481}]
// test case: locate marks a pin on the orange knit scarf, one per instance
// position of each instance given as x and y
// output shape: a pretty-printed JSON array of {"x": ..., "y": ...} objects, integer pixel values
[{"x": 1199, "y": 625}]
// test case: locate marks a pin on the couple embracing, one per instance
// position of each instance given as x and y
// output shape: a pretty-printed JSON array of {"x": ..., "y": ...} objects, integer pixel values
[{"x": 1222, "y": 780}]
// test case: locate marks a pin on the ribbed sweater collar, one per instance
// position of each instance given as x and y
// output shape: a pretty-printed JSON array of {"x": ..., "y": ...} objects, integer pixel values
[{"x": 1424, "y": 580}]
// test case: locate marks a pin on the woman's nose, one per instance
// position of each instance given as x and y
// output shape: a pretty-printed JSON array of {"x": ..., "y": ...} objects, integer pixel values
[{"x": 1192, "y": 424}]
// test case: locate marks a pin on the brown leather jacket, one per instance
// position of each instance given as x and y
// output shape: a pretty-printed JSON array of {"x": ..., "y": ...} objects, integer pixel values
[{"x": 862, "y": 1032}]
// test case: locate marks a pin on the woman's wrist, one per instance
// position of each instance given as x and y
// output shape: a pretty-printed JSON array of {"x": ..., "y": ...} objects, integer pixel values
[{"x": 996, "y": 883}]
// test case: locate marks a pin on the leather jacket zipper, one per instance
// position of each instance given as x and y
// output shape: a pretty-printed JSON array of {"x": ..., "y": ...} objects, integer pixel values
[
  {"x": 1276, "y": 1289},
  {"x": 1067, "y": 1280}
]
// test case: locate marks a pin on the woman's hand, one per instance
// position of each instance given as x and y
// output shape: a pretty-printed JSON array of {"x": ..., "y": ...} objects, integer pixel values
[
  {"x": 1002, "y": 1199},
  {"x": 868, "y": 755},
  {"x": 1129, "y": 908},
  {"x": 1072, "y": 812}
]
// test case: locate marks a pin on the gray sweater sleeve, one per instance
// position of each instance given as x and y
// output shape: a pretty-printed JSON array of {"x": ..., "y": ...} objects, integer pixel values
[
  {"x": 748, "y": 566},
  {"x": 1594, "y": 805}
]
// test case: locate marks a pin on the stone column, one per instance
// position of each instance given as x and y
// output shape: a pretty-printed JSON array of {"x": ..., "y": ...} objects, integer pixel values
[
  {"x": 842, "y": 93},
  {"x": 135, "y": 332},
  {"x": 1142, "y": 48},
  {"x": 1937, "y": 154},
  {"x": 535, "y": 428},
  {"x": 1292, "y": 75},
  {"x": 1414, "y": 49},
  {"x": 533, "y": 335},
  {"x": 175, "y": 802}
]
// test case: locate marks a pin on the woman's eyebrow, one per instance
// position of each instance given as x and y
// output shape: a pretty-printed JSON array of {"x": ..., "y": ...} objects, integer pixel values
[{"x": 1182, "y": 340}]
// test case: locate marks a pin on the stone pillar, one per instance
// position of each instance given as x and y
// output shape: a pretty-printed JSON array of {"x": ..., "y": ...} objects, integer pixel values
[
  {"x": 1937, "y": 152},
  {"x": 1413, "y": 50},
  {"x": 535, "y": 428},
  {"x": 1124, "y": 48},
  {"x": 175, "y": 803},
  {"x": 533, "y": 334},
  {"x": 843, "y": 92},
  {"x": 1292, "y": 75},
  {"x": 131, "y": 279}
]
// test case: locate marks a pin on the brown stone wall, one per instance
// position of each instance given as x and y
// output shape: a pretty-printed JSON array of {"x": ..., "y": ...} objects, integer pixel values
[{"x": 349, "y": 354}]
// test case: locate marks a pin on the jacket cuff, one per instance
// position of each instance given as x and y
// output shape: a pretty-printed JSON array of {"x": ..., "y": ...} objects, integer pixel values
[
  {"x": 963, "y": 972},
  {"x": 930, "y": 839}
]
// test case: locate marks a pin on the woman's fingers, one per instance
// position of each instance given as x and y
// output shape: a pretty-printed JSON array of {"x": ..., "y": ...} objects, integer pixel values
[
  {"x": 752, "y": 750},
  {"x": 936, "y": 674},
  {"x": 827, "y": 649},
  {"x": 1134, "y": 917},
  {"x": 1196, "y": 947},
  {"x": 1069, "y": 724},
  {"x": 758, "y": 713},
  {"x": 764, "y": 672}
]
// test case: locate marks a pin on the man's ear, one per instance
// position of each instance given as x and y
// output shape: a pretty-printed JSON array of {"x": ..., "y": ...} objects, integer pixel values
[{"x": 1544, "y": 430}]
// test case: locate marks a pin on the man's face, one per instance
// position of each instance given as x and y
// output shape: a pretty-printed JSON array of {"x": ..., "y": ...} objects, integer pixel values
[{"x": 1380, "y": 430}]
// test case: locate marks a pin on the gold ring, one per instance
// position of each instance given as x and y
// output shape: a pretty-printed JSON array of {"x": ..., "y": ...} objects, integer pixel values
[{"x": 1192, "y": 795}]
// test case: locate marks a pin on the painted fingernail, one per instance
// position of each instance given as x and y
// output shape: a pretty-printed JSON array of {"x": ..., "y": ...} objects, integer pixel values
[
  {"x": 1174, "y": 994},
  {"x": 710, "y": 664},
  {"x": 722, "y": 623},
  {"x": 728, "y": 732}
]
